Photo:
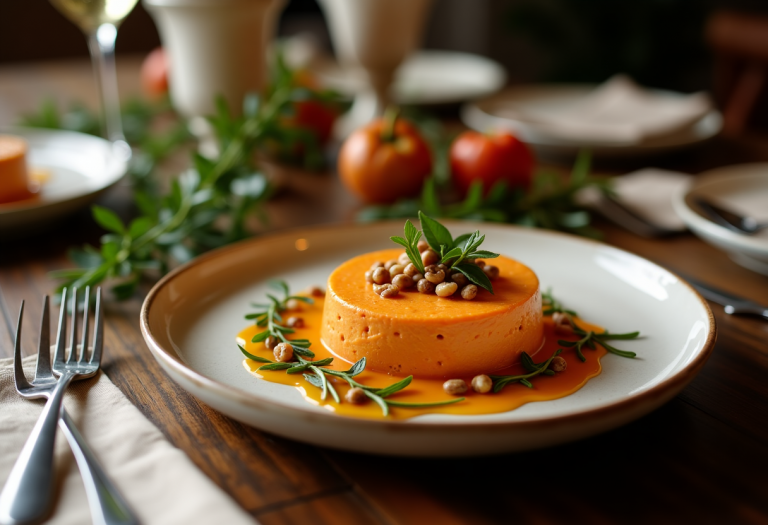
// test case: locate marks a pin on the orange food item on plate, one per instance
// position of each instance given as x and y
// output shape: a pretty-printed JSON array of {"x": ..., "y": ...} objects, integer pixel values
[
  {"x": 429, "y": 336},
  {"x": 14, "y": 184}
]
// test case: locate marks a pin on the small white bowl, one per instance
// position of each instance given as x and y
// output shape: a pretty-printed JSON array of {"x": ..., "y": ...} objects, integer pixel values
[{"x": 742, "y": 188}]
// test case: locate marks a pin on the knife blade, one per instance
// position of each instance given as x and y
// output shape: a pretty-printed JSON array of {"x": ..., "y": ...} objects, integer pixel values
[{"x": 733, "y": 304}]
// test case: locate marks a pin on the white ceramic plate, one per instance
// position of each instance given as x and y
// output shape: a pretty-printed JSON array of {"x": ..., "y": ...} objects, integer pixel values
[
  {"x": 191, "y": 317},
  {"x": 80, "y": 168},
  {"x": 426, "y": 77},
  {"x": 492, "y": 113},
  {"x": 742, "y": 188}
]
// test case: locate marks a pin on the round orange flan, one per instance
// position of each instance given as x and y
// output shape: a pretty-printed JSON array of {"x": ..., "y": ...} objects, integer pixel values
[
  {"x": 13, "y": 169},
  {"x": 429, "y": 336}
]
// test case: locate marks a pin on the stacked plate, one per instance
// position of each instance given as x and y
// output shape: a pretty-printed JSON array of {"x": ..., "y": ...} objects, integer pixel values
[{"x": 615, "y": 119}]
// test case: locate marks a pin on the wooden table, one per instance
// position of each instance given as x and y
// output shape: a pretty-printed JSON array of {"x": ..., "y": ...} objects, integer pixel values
[{"x": 701, "y": 458}]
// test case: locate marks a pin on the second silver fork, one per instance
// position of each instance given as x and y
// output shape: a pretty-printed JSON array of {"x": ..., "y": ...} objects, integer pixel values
[{"x": 28, "y": 493}]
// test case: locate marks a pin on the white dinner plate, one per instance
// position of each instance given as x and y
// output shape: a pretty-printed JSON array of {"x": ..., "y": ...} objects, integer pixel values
[
  {"x": 425, "y": 77},
  {"x": 191, "y": 317},
  {"x": 79, "y": 168},
  {"x": 494, "y": 113},
  {"x": 742, "y": 188}
]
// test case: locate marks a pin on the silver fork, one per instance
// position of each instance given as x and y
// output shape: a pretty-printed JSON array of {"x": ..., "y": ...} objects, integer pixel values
[{"x": 28, "y": 493}]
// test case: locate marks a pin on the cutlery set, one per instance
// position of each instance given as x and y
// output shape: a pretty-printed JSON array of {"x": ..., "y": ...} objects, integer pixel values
[{"x": 28, "y": 494}]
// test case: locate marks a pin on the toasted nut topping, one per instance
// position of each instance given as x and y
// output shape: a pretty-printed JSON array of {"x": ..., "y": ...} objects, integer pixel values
[
  {"x": 403, "y": 259},
  {"x": 315, "y": 291},
  {"x": 482, "y": 384},
  {"x": 389, "y": 290},
  {"x": 283, "y": 353},
  {"x": 402, "y": 281},
  {"x": 381, "y": 276},
  {"x": 455, "y": 387},
  {"x": 390, "y": 263},
  {"x": 294, "y": 322},
  {"x": 417, "y": 277},
  {"x": 270, "y": 342},
  {"x": 429, "y": 257},
  {"x": 459, "y": 278},
  {"x": 491, "y": 271},
  {"x": 480, "y": 262},
  {"x": 563, "y": 323},
  {"x": 396, "y": 269},
  {"x": 422, "y": 245},
  {"x": 434, "y": 275},
  {"x": 293, "y": 304},
  {"x": 446, "y": 289},
  {"x": 442, "y": 267},
  {"x": 377, "y": 264},
  {"x": 377, "y": 288},
  {"x": 356, "y": 396},
  {"x": 410, "y": 270},
  {"x": 558, "y": 364},
  {"x": 369, "y": 276},
  {"x": 425, "y": 286},
  {"x": 469, "y": 292}
]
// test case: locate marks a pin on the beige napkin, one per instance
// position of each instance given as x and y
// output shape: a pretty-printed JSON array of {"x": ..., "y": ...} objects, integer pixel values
[
  {"x": 618, "y": 112},
  {"x": 162, "y": 485}
]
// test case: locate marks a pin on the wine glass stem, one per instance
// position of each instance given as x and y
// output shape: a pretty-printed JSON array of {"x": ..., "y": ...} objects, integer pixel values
[{"x": 102, "y": 46}]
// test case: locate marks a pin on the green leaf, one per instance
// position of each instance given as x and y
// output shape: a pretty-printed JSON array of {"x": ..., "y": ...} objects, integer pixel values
[
  {"x": 277, "y": 366},
  {"x": 482, "y": 254},
  {"x": 379, "y": 401},
  {"x": 139, "y": 227},
  {"x": 403, "y": 404},
  {"x": 249, "y": 355},
  {"x": 461, "y": 239},
  {"x": 475, "y": 275},
  {"x": 435, "y": 233},
  {"x": 260, "y": 337},
  {"x": 396, "y": 387},
  {"x": 357, "y": 368},
  {"x": 453, "y": 253},
  {"x": 108, "y": 219}
]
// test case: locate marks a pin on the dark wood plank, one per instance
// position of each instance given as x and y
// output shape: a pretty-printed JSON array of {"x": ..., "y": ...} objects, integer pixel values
[{"x": 343, "y": 507}]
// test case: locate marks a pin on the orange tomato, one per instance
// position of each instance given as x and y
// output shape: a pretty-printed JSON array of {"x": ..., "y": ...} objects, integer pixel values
[
  {"x": 490, "y": 158},
  {"x": 381, "y": 163},
  {"x": 154, "y": 73}
]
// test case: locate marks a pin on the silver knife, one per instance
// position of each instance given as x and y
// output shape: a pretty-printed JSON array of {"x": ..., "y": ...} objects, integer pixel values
[{"x": 732, "y": 304}]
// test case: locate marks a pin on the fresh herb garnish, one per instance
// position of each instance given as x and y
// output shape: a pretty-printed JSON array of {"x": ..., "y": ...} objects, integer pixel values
[
  {"x": 410, "y": 243},
  {"x": 314, "y": 372},
  {"x": 532, "y": 370}
]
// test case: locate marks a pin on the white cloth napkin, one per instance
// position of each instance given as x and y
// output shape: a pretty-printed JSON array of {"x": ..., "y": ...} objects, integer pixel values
[
  {"x": 618, "y": 112},
  {"x": 160, "y": 483}
]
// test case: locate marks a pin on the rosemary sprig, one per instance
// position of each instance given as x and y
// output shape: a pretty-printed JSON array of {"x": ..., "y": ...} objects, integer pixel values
[
  {"x": 552, "y": 305},
  {"x": 532, "y": 370},
  {"x": 314, "y": 372}
]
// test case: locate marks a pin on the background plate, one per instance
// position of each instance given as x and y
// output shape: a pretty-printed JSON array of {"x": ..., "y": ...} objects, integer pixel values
[{"x": 191, "y": 317}]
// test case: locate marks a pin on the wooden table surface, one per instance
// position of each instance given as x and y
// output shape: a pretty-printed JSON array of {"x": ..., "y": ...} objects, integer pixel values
[{"x": 701, "y": 458}]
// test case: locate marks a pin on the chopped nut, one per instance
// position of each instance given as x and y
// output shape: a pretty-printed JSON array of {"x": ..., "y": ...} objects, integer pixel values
[
  {"x": 389, "y": 290},
  {"x": 469, "y": 292},
  {"x": 381, "y": 276},
  {"x": 293, "y": 304},
  {"x": 563, "y": 323},
  {"x": 429, "y": 257},
  {"x": 283, "y": 353},
  {"x": 369, "y": 276},
  {"x": 422, "y": 245},
  {"x": 434, "y": 275},
  {"x": 482, "y": 384},
  {"x": 377, "y": 288},
  {"x": 402, "y": 281},
  {"x": 455, "y": 387},
  {"x": 390, "y": 263},
  {"x": 459, "y": 278},
  {"x": 294, "y": 322},
  {"x": 417, "y": 277},
  {"x": 558, "y": 364},
  {"x": 356, "y": 396},
  {"x": 425, "y": 286},
  {"x": 491, "y": 271},
  {"x": 403, "y": 259},
  {"x": 377, "y": 264},
  {"x": 410, "y": 270},
  {"x": 446, "y": 289},
  {"x": 480, "y": 262},
  {"x": 270, "y": 342},
  {"x": 396, "y": 269},
  {"x": 315, "y": 291}
]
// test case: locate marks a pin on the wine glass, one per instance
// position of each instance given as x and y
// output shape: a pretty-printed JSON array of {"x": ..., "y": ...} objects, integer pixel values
[{"x": 99, "y": 20}]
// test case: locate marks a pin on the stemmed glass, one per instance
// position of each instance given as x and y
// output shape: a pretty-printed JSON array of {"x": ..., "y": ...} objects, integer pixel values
[{"x": 99, "y": 20}]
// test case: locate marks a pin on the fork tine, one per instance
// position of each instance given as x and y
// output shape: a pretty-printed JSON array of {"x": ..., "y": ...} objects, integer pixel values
[
  {"x": 43, "y": 368},
  {"x": 61, "y": 336},
  {"x": 84, "y": 338},
  {"x": 73, "y": 335},
  {"x": 98, "y": 330},
  {"x": 18, "y": 371}
]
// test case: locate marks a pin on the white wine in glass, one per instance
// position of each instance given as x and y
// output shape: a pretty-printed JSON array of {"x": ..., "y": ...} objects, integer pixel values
[{"x": 99, "y": 20}]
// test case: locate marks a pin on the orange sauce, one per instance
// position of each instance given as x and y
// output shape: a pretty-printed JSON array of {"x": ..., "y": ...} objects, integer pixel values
[{"x": 423, "y": 390}]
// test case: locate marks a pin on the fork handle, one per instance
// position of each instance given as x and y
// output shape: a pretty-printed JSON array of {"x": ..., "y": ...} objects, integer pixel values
[
  {"x": 107, "y": 504},
  {"x": 27, "y": 496}
]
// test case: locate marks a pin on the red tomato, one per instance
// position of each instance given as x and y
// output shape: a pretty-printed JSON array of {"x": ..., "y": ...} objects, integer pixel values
[
  {"x": 490, "y": 158},
  {"x": 316, "y": 117},
  {"x": 381, "y": 169},
  {"x": 154, "y": 73}
]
